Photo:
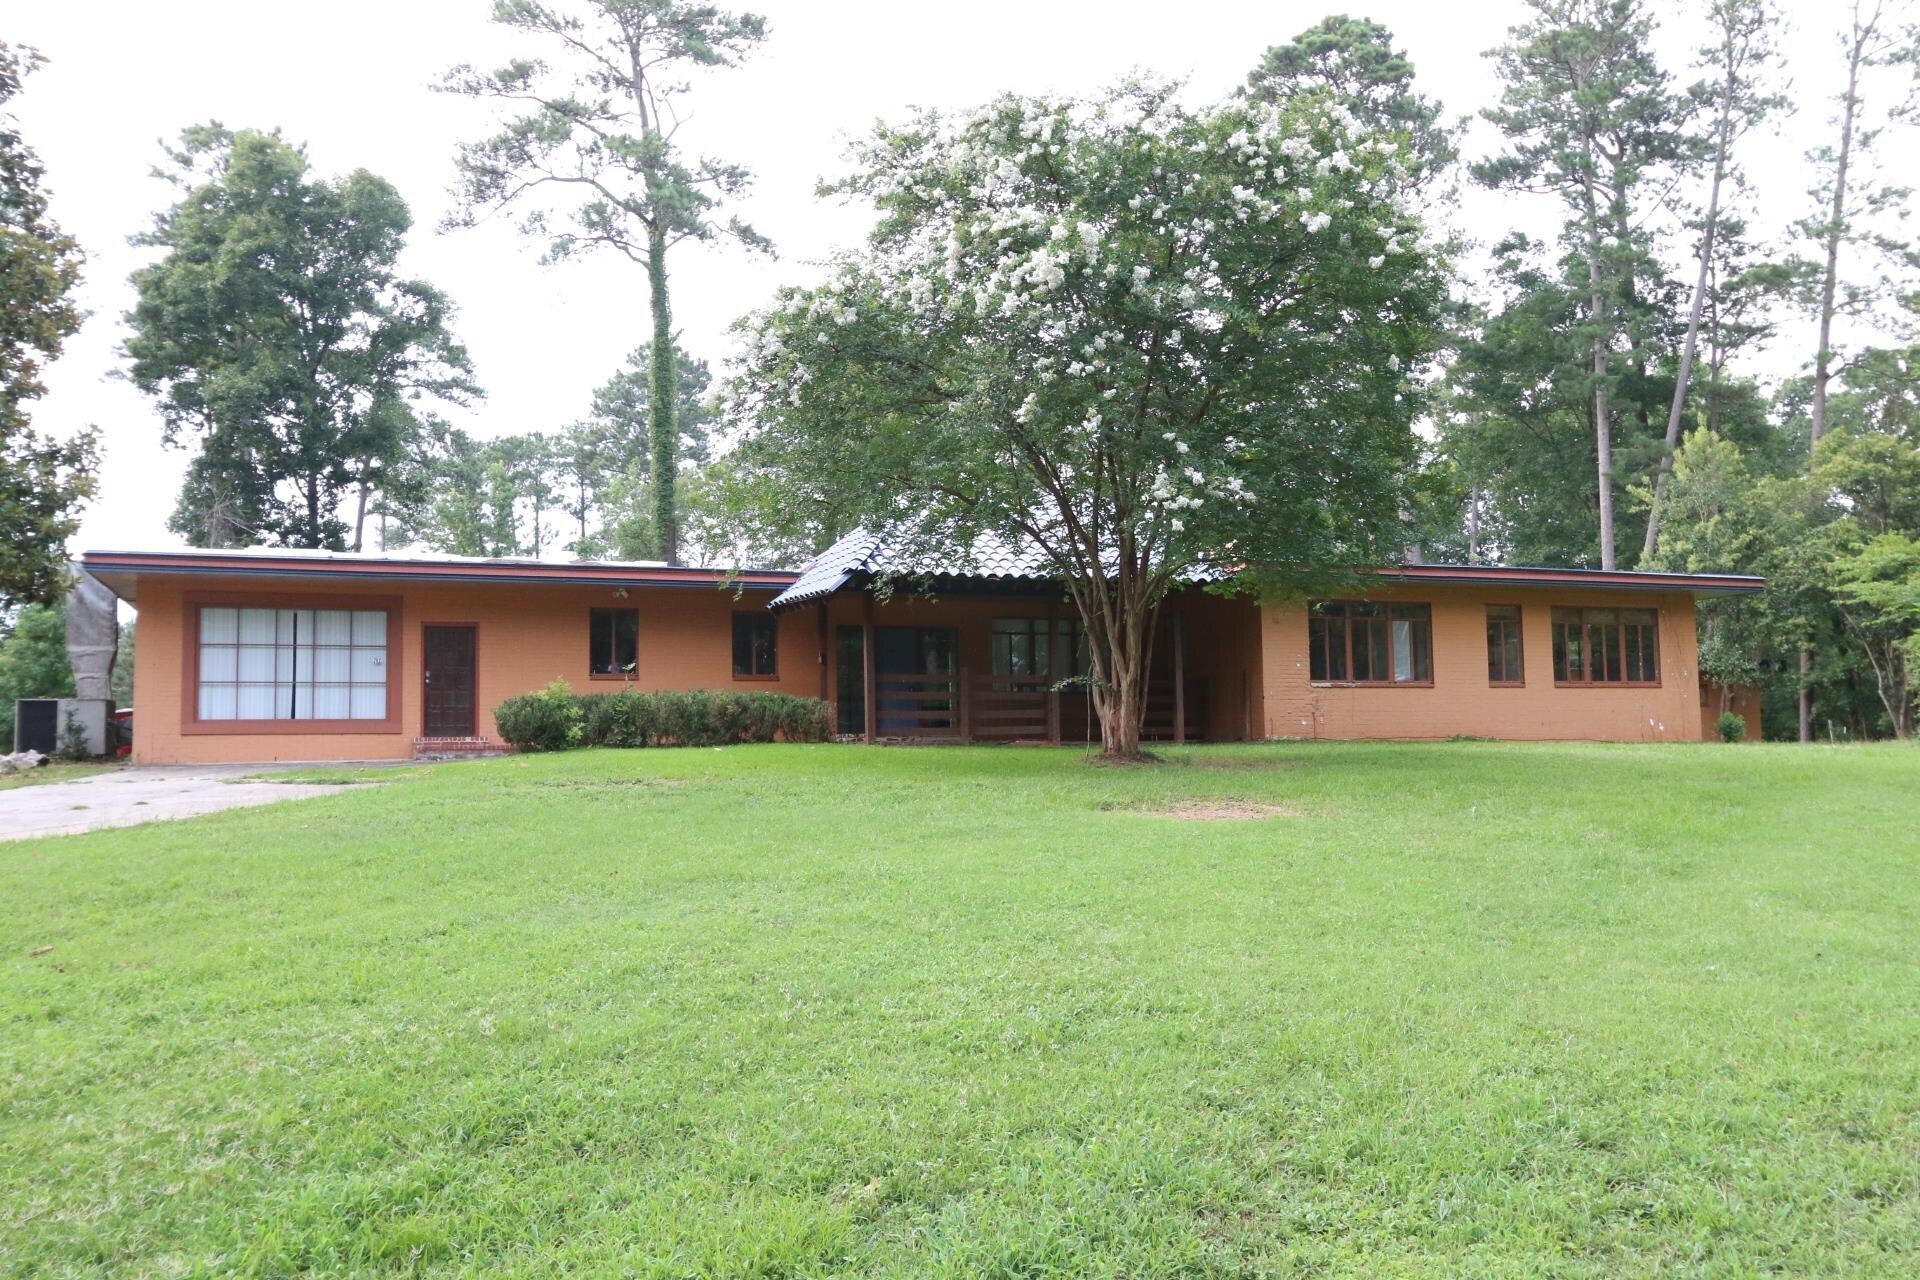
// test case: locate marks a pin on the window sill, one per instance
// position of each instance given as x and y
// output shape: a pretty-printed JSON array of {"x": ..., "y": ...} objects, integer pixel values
[
  {"x": 1606, "y": 684},
  {"x": 596, "y": 675},
  {"x": 240, "y": 728},
  {"x": 1506, "y": 684},
  {"x": 1371, "y": 684},
  {"x": 755, "y": 679}
]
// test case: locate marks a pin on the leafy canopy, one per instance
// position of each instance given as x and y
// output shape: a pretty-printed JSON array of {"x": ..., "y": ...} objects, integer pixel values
[
  {"x": 43, "y": 481},
  {"x": 1146, "y": 339},
  {"x": 277, "y": 331}
]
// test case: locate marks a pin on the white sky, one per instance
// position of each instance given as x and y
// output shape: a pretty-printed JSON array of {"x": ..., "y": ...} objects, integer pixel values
[{"x": 351, "y": 82}]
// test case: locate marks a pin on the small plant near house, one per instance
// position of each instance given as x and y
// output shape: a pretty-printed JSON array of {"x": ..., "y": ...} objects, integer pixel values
[
  {"x": 1731, "y": 728},
  {"x": 545, "y": 721},
  {"x": 73, "y": 739}
]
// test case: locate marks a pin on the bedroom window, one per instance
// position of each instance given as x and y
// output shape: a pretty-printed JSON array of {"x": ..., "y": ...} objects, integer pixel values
[
  {"x": 1606, "y": 646},
  {"x": 613, "y": 642},
  {"x": 1505, "y": 660},
  {"x": 756, "y": 646},
  {"x": 292, "y": 664},
  {"x": 1359, "y": 642}
]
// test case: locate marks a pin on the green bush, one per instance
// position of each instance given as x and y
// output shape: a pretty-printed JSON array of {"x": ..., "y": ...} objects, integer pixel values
[
  {"x": 695, "y": 718},
  {"x": 545, "y": 721},
  {"x": 1732, "y": 728}
]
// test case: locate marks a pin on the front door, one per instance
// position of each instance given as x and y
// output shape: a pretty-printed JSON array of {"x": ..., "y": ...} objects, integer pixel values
[{"x": 449, "y": 682}]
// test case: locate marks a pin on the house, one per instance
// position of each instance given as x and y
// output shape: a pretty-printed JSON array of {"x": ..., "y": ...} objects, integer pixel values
[{"x": 257, "y": 655}]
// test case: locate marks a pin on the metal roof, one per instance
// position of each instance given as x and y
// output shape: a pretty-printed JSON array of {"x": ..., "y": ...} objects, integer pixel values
[{"x": 863, "y": 555}]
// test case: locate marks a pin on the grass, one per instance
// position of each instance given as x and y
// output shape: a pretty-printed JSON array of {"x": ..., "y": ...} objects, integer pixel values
[
  {"x": 54, "y": 771},
  {"x": 1461, "y": 1010}
]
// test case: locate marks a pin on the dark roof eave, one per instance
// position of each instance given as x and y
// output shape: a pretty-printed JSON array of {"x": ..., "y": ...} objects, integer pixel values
[{"x": 161, "y": 563}]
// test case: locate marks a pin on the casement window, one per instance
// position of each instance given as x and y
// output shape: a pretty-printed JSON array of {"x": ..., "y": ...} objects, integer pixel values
[
  {"x": 1026, "y": 647},
  {"x": 1359, "y": 642},
  {"x": 291, "y": 664},
  {"x": 756, "y": 646},
  {"x": 1606, "y": 646},
  {"x": 1505, "y": 657},
  {"x": 613, "y": 642}
]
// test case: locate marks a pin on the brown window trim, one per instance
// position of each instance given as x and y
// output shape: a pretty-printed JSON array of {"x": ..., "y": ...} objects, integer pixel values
[
  {"x": 1372, "y": 684},
  {"x": 1520, "y": 625},
  {"x": 194, "y": 601},
  {"x": 624, "y": 676},
  {"x": 1586, "y": 649},
  {"x": 756, "y": 614}
]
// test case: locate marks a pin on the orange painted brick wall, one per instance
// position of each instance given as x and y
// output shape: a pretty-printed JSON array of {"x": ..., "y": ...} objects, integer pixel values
[
  {"x": 1462, "y": 701},
  {"x": 526, "y": 636}
]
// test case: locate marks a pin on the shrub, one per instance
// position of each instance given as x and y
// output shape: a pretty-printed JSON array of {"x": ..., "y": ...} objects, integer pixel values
[
  {"x": 545, "y": 721},
  {"x": 1732, "y": 728},
  {"x": 694, "y": 718}
]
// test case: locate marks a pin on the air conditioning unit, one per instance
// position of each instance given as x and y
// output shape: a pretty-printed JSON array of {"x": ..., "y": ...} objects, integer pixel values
[{"x": 40, "y": 724}]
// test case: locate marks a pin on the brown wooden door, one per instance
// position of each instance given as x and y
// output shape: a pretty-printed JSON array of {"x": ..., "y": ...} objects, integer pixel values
[{"x": 449, "y": 682}]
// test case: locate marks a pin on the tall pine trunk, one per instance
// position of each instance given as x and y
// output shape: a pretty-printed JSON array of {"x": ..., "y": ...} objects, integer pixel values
[
  {"x": 1724, "y": 141},
  {"x": 1829, "y": 286},
  {"x": 1602, "y": 424},
  {"x": 663, "y": 404}
]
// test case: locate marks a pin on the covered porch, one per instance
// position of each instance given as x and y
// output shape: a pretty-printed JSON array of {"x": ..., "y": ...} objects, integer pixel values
[{"x": 1011, "y": 665}]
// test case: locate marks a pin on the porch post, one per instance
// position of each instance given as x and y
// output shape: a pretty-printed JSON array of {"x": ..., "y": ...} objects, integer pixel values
[
  {"x": 1179, "y": 677},
  {"x": 1053, "y": 671},
  {"x": 869, "y": 670},
  {"x": 966, "y": 709},
  {"x": 826, "y": 655}
]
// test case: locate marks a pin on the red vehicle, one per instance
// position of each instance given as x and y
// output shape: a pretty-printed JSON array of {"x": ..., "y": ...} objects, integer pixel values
[{"x": 123, "y": 732}]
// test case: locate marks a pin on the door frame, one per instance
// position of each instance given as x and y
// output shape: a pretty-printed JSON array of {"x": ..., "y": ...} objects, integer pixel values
[{"x": 472, "y": 627}]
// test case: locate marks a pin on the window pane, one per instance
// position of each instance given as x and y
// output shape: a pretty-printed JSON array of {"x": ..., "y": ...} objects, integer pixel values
[
  {"x": 219, "y": 626},
  {"x": 1371, "y": 649},
  {"x": 1605, "y": 660},
  {"x": 330, "y": 702},
  {"x": 742, "y": 646},
  {"x": 370, "y": 627},
  {"x": 766, "y": 635},
  {"x": 331, "y": 665},
  {"x": 369, "y": 666},
  {"x": 1402, "y": 651},
  {"x": 332, "y": 626},
  {"x": 256, "y": 662},
  {"x": 1422, "y": 637},
  {"x": 219, "y": 662},
  {"x": 256, "y": 626},
  {"x": 256, "y": 702},
  {"x": 369, "y": 702},
  {"x": 218, "y": 701}
]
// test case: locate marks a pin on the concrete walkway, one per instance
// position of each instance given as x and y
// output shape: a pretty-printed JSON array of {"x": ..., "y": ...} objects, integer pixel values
[{"x": 129, "y": 797}]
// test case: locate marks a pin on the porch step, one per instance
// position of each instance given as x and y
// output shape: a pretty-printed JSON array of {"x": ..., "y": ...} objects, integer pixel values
[{"x": 456, "y": 748}]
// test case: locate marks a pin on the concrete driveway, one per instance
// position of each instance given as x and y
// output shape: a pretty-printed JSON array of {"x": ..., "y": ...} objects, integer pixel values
[{"x": 128, "y": 797}]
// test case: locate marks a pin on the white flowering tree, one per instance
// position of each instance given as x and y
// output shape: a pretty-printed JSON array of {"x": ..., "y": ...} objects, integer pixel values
[{"x": 1156, "y": 343}]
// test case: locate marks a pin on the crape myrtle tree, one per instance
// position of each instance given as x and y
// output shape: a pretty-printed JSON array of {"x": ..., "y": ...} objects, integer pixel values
[
  {"x": 1148, "y": 341},
  {"x": 588, "y": 152}
]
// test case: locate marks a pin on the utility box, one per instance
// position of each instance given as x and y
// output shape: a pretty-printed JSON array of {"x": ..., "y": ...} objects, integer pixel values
[{"x": 40, "y": 724}]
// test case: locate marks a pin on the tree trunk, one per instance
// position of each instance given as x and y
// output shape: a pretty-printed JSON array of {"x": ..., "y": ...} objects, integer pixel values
[
  {"x": 1685, "y": 373},
  {"x": 1829, "y": 281},
  {"x": 360, "y": 515},
  {"x": 1806, "y": 696},
  {"x": 664, "y": 397},
  {"x": 1602, "y": 425}
]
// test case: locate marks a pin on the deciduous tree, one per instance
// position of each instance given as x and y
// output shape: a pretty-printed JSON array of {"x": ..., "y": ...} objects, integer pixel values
[
  {"x": 44, "y": 480},
  {"x": 1147, "y": 341},
  {"x": 276, "y": 333}
]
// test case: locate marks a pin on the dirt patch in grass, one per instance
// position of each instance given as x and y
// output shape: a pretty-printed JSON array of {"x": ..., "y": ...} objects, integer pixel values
[{"x": 1223, "y": 811}]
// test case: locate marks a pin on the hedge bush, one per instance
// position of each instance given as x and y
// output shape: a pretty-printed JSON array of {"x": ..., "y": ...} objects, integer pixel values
[
  {"x": 698, "y": 718},
  {"x": 549, "y": 720}
]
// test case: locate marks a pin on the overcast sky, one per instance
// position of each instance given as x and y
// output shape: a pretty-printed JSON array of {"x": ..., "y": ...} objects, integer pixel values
[{"x": 350, "y": 80}]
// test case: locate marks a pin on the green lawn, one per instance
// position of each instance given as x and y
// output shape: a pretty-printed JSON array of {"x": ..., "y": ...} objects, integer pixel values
[{"x": 1466, "y": 1009}]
